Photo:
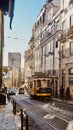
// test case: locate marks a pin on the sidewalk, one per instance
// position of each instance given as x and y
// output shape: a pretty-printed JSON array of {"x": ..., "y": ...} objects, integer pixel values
[
  {"x": 64, "y": 101},
  {"x": 8, "y": 121}
]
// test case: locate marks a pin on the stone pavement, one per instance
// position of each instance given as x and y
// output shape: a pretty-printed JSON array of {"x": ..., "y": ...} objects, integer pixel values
[{"x": 8, "y": 121}]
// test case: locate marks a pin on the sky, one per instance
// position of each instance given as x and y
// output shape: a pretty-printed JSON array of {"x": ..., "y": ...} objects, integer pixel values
[{"x": 25, "y": 16}]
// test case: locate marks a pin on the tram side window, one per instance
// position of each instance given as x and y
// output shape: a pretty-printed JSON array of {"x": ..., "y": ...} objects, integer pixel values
[
  {"x": 48, "y": 83},
  {"x": 43, "y": 83},
  {"x": 30, "y": 85},
  {"x": 39, "y": 83}
]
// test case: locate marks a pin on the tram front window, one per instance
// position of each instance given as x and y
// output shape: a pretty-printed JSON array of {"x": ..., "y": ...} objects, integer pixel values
[{"x": 44, "y": 90}]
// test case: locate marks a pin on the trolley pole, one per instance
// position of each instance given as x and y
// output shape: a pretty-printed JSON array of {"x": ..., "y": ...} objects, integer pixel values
[{"x": 1, "y": 45}]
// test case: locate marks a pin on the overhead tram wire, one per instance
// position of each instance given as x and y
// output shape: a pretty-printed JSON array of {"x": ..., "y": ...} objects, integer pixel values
[
  {"x": 21, "y": 39},
  {"x": 16, "y": 38}
]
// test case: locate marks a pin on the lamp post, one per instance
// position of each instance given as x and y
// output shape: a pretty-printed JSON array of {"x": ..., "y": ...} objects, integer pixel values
[{"x": 1, "y": 45}]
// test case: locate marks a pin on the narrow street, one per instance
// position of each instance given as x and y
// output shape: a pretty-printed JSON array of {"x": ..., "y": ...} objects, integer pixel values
[
  {"x": 36, "y": 65},
  {"x": 52, "y": 115}
]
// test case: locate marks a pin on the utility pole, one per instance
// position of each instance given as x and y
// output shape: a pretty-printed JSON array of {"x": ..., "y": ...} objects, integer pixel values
[
  {"x": 1, "y": 45},
  {"x": 2, "y": 95}
]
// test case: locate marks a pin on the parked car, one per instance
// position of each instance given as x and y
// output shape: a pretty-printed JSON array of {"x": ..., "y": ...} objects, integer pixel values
[{"x": 11, "y": 91}]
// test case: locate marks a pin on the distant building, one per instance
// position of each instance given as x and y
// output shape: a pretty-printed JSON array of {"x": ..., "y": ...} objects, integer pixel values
[
  {"x": 14, "y": 63},
  {"x": 22, "y": 76},
  {"x": 6, "y": 81},
  {"x": 27, "y": 64},
  {"x": 14, "y": 60}
]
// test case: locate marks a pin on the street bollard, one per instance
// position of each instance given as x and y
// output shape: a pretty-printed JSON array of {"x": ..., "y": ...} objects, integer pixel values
[
  {"x": 26, "y": 122},
  {"x": 14, "y": 107},
  {"x": 24, "y": 118},
  {"x": 21, "y": 119}
]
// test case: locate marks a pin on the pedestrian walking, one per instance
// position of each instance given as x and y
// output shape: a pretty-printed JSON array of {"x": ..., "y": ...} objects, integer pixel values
[{"x": 67, "y": 94}]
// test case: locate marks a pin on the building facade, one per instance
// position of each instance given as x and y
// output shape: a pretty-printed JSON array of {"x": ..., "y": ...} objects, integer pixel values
[
  {"x": 14, "y": 63},
  {"x": 45, "y": 43},
  {"x": 27, "y": 59},
  {"x": 66, "y": 43},
  {"x": 51, "y": 44}
]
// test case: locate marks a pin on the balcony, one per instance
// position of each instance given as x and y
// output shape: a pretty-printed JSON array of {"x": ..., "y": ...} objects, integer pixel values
[
  {"x": 70, "y": 33},
  {"x": 45, "y": 37},
  {"x": 62, "y": 37},
  {"x": 53, "y": 72}
]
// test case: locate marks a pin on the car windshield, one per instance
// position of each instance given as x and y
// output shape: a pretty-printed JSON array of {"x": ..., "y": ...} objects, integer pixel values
[{"x": 11, "y": 90}]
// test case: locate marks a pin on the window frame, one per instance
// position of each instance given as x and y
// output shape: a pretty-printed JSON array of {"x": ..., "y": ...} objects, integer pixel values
[
  {"x": 63, "y": 51},
  {"x": 71, "y": 50},
  {"x": 71, "y": 23}
]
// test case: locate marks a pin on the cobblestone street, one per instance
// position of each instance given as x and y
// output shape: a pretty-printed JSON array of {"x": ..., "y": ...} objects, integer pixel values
[{"x": 8, "y": 121}]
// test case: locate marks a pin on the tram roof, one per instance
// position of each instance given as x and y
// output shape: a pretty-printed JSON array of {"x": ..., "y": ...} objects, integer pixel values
[{"x": 39, "y": 76}]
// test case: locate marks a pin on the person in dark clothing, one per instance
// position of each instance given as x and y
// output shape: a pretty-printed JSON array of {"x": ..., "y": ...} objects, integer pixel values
[
  {"x": 62, "y": 93},
  {"x": 67, "y": 93}
]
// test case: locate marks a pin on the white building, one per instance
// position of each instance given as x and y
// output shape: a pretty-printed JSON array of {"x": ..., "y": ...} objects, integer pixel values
[{"x": 66, "y": 41}]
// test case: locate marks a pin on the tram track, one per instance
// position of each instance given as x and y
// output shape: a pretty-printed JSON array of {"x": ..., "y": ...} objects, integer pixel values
[
  {"x": 49, "y": 115},
  {"x": 37, "y": 117},
  {"x": 44, "y": 124},
  {"x": 63, "y": 114},
  {"x": 50, "y": 119}
]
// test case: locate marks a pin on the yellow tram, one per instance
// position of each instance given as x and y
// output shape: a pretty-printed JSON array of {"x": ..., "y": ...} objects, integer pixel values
[{"x": 39, "y": 86}]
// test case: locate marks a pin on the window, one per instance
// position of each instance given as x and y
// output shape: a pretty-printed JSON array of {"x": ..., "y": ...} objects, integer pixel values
[
  {"x": 63, "y": 51},
  {"x": 55, "y": 26},
  {"x": 56, "y": 44},
  {"x": 38, "y": 83},
  {"x": 38, "y": 22},
  {"x": 64, "y": 26},
  {"x": 71, "y": 71},
  {"x": 52, "y": 29},
  {"x": 13, "y": 62},
  {"x": 43, "y": 17},
  {"x": 58, "y": 25},
  {"x": 71, "y": 48},
  {"x": 71, "y": 20},
  {"x": 40, "y": 19}
]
